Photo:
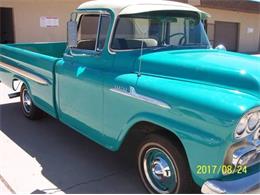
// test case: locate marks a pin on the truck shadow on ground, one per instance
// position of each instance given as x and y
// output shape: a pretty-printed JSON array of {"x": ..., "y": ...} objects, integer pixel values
[{"x": 69, "y": 160}]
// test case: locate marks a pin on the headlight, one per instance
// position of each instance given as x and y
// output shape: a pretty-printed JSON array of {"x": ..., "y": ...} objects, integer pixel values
[
  {"x": 248, "y": 124},
  {"x": 241, "y": 127},
  {"x": 252, "y": 121}
]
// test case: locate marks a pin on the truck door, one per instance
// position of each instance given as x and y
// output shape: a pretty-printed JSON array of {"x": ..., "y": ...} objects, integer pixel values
[{"x": 80, "y": 77}]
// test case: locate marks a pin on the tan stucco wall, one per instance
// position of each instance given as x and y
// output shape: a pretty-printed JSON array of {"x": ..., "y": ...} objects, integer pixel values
[
  {"x": 248, "y": 42},
  {"x": 27, "y": 15}
]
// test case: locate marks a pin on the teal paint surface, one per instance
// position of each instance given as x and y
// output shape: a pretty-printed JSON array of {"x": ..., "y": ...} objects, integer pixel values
[
  {"x": 50, "y": 49},
  {"x": 208, "y": 91},
  {"x": 25, "y": 57}
]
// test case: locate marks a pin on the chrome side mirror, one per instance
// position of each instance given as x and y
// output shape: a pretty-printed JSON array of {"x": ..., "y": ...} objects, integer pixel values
[
  {"x": 72, "y": 34},
  {"x": 221, "y": 47}
]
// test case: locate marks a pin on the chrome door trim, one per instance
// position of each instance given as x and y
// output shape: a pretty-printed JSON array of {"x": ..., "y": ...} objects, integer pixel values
[
  {"x": 23, "y": 73},
  {"x": 133, "y": 94}
]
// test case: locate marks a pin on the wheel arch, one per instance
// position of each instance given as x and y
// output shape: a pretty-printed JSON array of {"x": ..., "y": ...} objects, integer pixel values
[
  {"x": 137, "y": 133},
  {"x": 132, "y": 135},
  {"x": 156, "y": 123},
  {"x": 142, "y": 128},
  {"x": 22, "y": 80}
]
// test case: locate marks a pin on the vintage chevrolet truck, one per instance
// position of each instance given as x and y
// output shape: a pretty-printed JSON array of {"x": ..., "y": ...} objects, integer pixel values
[{"x": 142, "y": 74}]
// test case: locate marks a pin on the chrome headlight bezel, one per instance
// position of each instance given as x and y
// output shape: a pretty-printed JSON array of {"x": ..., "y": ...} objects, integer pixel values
[{"x": 248, "y": 124}]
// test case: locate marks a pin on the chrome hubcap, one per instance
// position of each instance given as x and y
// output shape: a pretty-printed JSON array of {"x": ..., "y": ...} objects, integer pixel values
[
  {"x": 159, "y": 170},
  {"x": 27, "y": 101}
]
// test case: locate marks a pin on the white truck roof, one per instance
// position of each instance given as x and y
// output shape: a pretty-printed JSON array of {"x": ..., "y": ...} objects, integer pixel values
[{"x": 124, "y": 7}]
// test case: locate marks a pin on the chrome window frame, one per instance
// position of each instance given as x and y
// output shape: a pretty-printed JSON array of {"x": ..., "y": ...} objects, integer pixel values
[{"x": 78, "y": 14}]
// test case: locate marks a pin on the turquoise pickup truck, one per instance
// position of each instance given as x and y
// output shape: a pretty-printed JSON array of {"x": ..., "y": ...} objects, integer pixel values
[{"x": 143, "y": 75}]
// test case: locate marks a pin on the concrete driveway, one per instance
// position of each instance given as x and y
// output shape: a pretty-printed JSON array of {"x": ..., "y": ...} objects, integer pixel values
[{"x": 46, "y": 156}]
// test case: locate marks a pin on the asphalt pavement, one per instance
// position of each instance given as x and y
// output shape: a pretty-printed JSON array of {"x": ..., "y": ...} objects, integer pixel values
[{"x": 46, "y": 156}]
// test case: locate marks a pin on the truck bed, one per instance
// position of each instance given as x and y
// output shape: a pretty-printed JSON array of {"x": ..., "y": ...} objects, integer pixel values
[{"x": 34, "y": 64}]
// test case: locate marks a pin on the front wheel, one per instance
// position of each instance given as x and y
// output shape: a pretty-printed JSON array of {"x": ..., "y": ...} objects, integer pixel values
[
  {"x": 28, "y": 107},
  {"x": 163, "y": 167}
]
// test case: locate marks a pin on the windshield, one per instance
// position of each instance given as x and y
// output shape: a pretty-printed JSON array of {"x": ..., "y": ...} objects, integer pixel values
[{"x": 159, "y": 30}]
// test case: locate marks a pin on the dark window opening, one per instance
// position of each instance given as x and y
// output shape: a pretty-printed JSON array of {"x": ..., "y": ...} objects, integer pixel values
[{"x": 6, "y": 25}]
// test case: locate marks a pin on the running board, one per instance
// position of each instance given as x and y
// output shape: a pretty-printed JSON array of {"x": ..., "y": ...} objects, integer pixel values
[{"x": 14, "y": 95}]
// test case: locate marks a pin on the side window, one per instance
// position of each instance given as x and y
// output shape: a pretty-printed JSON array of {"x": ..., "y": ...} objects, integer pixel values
[{"x": 88, "y": 31}]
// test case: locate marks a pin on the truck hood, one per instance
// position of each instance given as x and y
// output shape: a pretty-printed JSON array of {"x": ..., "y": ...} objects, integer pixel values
[{"x": 236, "y": 71}]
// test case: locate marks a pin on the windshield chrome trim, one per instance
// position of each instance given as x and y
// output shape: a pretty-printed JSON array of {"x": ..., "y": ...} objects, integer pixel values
[{"x": 114, "y": 51}]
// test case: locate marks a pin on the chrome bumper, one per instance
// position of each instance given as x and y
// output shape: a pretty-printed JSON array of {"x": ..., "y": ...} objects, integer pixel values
[{"x": 242, "y": 185}]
